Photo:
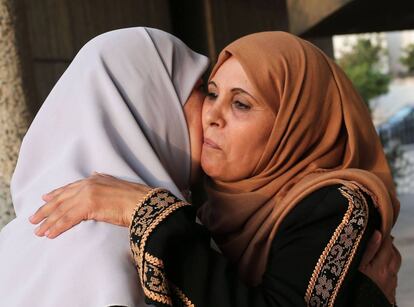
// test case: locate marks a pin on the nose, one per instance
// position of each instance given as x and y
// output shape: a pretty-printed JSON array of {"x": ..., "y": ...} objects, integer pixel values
[{"x": 214, "y": 114}]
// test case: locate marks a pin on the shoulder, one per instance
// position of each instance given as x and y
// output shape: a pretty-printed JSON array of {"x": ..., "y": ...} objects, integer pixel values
[
  {"x": 322, "y": 239},
  {"x": 332, "y": 205}
]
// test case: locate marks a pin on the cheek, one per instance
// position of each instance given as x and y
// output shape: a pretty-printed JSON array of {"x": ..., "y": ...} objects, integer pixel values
[
  {"x": 246, "y": 148},
  {"x": 192, "y": 111},
  {"x": 204, "y": 110},
  {"x": 196, "y": 133}
]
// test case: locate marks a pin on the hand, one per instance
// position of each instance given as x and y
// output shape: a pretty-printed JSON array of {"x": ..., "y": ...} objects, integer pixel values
[
  {"x": 381, "y": 263},
  {"x": 99, "y": 197}
]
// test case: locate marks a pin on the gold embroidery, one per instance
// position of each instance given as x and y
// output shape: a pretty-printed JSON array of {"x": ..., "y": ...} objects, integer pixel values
[
  {"x": 155, "y": 283},
  {"x": 154, "y": 209},
  {"x": 150, "y": 194},
  {"x": 154, "y": 260},
  {"x": 333, "y": 264},
  {"x": 187, "y": 302}
]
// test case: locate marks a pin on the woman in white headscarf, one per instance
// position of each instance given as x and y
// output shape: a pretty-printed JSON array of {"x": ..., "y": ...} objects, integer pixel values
[{"x": 118, "y": 109}]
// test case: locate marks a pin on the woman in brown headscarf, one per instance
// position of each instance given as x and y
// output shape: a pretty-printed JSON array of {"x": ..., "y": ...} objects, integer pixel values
[
  {"x": 321, "y": 136},
  {"x": 298, "y": 184}
]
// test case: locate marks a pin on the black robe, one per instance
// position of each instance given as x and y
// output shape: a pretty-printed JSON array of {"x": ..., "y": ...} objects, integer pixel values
[{"x": 313, "y": 260}]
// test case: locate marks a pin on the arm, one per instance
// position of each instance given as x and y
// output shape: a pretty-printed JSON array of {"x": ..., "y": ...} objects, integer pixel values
[
  {"x": 108, "y": 199},
  {"x": 177, "y": 266},
  {"x": 175, "y": 262}
]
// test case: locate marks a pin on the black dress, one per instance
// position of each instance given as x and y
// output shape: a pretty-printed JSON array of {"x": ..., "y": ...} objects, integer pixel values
[{"x": 313, "y": 259}]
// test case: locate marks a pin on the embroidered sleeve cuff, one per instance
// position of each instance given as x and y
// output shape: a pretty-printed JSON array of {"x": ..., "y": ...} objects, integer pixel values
[{"x": 150, "y": 213}]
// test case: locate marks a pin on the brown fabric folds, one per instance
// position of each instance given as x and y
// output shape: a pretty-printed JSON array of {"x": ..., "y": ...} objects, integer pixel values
[{"x": 322, "y": 135}]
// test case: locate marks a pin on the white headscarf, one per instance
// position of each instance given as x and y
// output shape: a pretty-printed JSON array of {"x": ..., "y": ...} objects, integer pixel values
[{"x": 118, "y": 109}]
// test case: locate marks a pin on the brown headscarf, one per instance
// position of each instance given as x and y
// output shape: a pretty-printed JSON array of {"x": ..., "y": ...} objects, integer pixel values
[{"x": 322, "y": 135}]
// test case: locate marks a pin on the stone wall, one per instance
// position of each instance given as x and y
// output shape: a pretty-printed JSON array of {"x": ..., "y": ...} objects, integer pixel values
[{"x": 14, "y": 114}]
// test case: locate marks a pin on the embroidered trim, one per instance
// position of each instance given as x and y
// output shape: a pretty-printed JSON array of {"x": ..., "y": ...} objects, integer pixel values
[
  {"x": 148, "y": 215},
  {"x": 149, "y": 194},
  {"x": 184, "y": 299},
  {"x": 337, "y": 256},
  {"x": 154, "y": 281}
]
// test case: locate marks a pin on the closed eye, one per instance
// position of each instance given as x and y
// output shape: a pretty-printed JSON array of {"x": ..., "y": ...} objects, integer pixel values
[
  {"x": 211, "y": 95},
  {"x": 241, "y": 106}
]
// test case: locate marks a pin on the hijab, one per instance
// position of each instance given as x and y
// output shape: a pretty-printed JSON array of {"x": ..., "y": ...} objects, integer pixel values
[
  {"x": 322, "y": 135},
  {"x": 117, "y": 109}
]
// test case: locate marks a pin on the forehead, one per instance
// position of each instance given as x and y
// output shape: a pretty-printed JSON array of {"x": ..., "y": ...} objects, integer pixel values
[{"x": 232, "y": 75}]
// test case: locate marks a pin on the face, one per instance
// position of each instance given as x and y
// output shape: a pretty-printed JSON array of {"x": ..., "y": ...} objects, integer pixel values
[
  {"x": 236, "y": 124},
  {"x": 192, "y": 112}
]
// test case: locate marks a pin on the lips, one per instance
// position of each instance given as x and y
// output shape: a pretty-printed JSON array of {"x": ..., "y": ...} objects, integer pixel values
[{"x": 210, "y": 143}]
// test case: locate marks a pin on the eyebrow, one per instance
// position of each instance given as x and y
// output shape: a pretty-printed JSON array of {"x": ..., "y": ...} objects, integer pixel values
[{"x": 235, "y": 90}]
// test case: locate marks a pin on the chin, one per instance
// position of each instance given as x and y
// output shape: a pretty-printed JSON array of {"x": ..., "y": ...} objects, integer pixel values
[{"x": 210, "y": 168}]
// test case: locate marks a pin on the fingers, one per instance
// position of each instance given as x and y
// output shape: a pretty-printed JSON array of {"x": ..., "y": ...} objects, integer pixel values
[
  {"x": 381, "y": 264},
  {"x": 52, "y": 212},
  {"x": 384, "y": 255},
  {"x": 62, "y": 210},
  {"x": 395, "y": 263},
  {"x": 94, "y": 198},
  {"x": 102, "y": 174},
  {"x": 372, "y": 249},
  {"x": 45, "y": 210},
  {"x": 52, "y": 194},
  {"x": 63, "y": 223},
  {"x": 58, "y": 216},
  {"x": 51, "y": 221}
]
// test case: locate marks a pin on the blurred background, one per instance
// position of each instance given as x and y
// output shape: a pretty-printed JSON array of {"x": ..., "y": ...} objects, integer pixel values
[{"x": 370, "y": 40}]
